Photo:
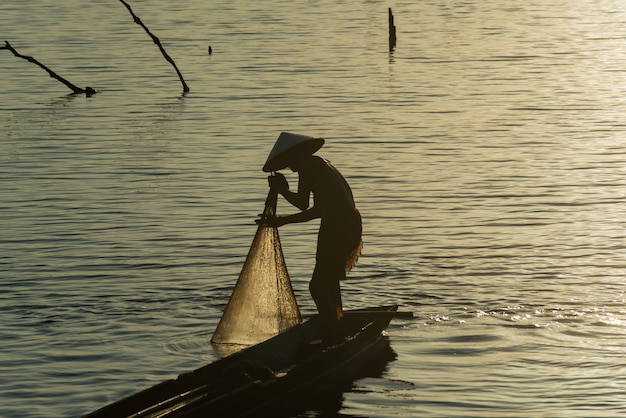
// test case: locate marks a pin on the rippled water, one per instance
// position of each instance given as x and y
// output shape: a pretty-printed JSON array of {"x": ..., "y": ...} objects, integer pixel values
[{"x": 486, "y": 155}]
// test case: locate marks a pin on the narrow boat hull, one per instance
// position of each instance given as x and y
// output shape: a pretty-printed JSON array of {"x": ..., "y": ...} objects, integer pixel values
[{"x": 275, "y": 377}]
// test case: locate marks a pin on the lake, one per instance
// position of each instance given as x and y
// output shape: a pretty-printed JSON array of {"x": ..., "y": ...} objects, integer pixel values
[{"x": 486, "y": 154}]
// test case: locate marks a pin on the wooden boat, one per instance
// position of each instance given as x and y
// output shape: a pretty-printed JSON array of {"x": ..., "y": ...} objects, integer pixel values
[{"x": 272, "y": 378}]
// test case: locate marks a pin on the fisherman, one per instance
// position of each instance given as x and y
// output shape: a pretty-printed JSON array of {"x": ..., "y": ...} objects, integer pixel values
[{"x": 339, "y": 237}]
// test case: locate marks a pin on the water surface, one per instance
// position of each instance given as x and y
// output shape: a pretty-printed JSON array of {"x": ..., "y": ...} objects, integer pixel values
[{"x": 486, "y": 155}]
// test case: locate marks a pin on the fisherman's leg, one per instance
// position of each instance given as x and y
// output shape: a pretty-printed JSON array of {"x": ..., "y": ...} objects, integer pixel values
[
  {"x": 326, "y": 290},
  {"x": 324, "y": 285},
  {"x": 334, "y": 245},
  {"x": 326, "y": 293}
]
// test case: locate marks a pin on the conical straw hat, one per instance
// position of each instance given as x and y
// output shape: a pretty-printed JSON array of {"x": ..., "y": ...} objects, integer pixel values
[{"x": 288, "y": 147}]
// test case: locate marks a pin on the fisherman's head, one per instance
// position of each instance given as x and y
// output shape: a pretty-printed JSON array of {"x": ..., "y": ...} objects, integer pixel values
[{"x": 296, "y": 163}]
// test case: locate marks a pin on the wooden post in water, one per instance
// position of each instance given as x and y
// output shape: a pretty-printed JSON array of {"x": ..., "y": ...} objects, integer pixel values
[{"x": 392, "y": 32}]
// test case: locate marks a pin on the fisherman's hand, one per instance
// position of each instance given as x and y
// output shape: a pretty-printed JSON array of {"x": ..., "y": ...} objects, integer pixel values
[
  {"x": 273, "y": 221},
  {"x": 278, "y": 182}
]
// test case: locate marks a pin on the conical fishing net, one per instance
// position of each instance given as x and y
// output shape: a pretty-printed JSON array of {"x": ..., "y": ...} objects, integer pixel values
[{"x": 262, "y": 303}]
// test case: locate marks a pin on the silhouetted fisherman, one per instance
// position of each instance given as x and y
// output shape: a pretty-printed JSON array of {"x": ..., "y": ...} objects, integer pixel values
[{"x": 339, "y": 237}]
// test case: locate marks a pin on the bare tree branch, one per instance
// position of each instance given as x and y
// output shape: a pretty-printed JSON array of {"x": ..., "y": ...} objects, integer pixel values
[
  {"x": 158, "y": 43},
  {"x": 75, "y": 89}
]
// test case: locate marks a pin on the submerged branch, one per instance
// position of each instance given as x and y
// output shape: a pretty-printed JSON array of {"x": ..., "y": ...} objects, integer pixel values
[
  {"x": 75, "y": 89},
  {"x": 158, "y": 43}
]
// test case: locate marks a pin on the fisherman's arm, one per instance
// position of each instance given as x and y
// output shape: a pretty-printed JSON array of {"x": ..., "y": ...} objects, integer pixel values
[
  {"x": 300, "y": 199},
  {"x": 304, "y": 216}
]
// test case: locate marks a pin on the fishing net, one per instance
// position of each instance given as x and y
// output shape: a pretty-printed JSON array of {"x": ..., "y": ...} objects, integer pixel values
[{"x": 262, "y": 303}]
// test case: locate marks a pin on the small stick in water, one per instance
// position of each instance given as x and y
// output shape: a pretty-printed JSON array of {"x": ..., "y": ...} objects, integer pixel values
[
  {"x": 158, "y": 43},
  {"x": 75, "y": 89}
]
